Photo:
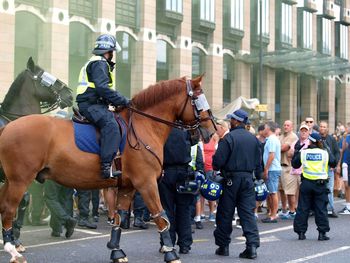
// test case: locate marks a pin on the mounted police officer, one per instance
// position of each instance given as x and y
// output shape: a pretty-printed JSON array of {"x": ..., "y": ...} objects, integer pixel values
[
  {"x": 238, "y": 156},
  {"x": 313, "y": 189},
  {"x": 95, "y": 92}
]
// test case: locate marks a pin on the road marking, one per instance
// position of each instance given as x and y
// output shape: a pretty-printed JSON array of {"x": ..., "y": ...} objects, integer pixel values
[
  {"x": 87, "y": 231},
  {"x": 319, "y": 254},
  {"x": 262, "y": 240},
  {"x": 76, "y": 240},
  {"x": 276, "y": 230},
  {"x": 200, "y": 240}
]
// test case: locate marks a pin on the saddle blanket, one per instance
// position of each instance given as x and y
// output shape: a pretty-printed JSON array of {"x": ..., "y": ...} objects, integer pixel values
[{"x": 86, "y": 137}]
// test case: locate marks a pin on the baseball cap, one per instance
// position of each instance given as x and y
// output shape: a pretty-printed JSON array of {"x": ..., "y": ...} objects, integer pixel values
[{"x": 304, "y": 126}]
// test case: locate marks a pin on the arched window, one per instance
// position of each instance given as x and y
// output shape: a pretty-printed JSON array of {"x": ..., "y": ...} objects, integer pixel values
[
  {"x": 124, "y": 62},
  {"x": 198, "y": 62},
  {"x": 81, "y": 40},
  {"x": 228, "y": 74},
  {"x": 163, "y": 56},
  {"x": 28, "y": 36}
]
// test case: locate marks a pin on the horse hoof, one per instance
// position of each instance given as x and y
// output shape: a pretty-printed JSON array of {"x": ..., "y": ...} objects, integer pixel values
[
  {"x": 121, "y": 260},
  {"x": 20, "y": 248},
  {"x": 18, "y": 260}
]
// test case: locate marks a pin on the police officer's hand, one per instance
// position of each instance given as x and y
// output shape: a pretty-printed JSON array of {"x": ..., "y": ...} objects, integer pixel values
[{"x": 266, "y": 175}]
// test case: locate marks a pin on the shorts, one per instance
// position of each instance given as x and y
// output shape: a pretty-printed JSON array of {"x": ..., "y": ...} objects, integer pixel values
[
  {"x": 289, "y": 182},
  {"x": 272, "y": 181}
]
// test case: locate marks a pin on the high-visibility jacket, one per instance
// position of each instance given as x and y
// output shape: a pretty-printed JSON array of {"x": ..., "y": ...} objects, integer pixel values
[
  {"x": 84, "y": 82},
  {"x": 314, "y": 163},
  {"x": 194, "y": 150}
]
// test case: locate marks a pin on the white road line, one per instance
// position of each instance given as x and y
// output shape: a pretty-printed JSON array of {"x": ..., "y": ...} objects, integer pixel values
[
  {"x": 319, "y": 254},
  {"x": 276, "y": 230},
  {"x": 262, "y": 240},
  {"x": 87, "y": 231},
  {"x": 76, "y": 240}
]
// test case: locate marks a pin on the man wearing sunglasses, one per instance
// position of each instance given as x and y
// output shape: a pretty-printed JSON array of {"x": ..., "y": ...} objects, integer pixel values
[{"x": 309, "y": 121}]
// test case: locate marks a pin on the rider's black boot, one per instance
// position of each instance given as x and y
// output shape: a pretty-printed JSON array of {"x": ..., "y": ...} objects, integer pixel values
[{"x": 106, "y": 171}]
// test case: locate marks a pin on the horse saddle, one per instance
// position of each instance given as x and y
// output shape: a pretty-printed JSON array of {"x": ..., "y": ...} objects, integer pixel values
[{"x": 87, "y": 136}]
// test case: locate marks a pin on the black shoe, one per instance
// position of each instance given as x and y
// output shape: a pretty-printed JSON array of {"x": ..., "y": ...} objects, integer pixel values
[
  {"x": 107, "y": 173},
  {"x": 87, "y": 224},
  {"x": 332, "y": 214},
  {"x": 249, "y": 252},
  {"x": 138, "y": 222},
  {"x": 55, "y": 234},
  {"x": 70, "y": 224},
  {"x": 322, "y": 236},
  {"x": 199, "y": 225},
  {"x": 184, "y": 250},
  {"x": 222, "y": 251},
  {"x": 301, "y": 236}
]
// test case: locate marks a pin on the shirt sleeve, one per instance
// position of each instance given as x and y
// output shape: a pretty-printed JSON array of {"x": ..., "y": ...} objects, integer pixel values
[{"x": 222, "y": 154}]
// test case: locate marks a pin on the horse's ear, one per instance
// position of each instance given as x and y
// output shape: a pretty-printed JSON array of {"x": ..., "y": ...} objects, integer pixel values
[
  {"x": 198, "y": 80},
  {"x": 30, "y": 64}
]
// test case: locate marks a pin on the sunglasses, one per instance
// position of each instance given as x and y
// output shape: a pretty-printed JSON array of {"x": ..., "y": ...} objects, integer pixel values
[{"x": 309, "y": 121}]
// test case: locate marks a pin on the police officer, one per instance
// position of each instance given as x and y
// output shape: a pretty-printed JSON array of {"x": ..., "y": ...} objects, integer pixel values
[
  {"x": 313, "y": 189},
  {"x": 238, "y": 156},
  {"x": 177, "y": 205},
  {"x": 95, "y": 92}
]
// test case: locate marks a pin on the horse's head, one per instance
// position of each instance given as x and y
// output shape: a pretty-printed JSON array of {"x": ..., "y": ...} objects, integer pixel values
[
  {"x": 196, "y": 109},
  {"x": 51, "y": 92}
]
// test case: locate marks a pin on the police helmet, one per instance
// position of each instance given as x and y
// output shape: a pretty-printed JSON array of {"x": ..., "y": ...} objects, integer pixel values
[
  {"x": 105, "y": 43},
  {"x": 261, "y": 191},
  {"x": 211, "y": 190},
  {"x": 199, "y": 177},
  {"x": 189, "y": 187}
]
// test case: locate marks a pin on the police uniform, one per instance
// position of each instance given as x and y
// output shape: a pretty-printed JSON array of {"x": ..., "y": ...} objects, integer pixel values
[
  {"x": 94, "y": 93},
  {"x": 177, "y": 206},
  {"x": 237, "y": 156},
  {"x": 313, "y": 189}
]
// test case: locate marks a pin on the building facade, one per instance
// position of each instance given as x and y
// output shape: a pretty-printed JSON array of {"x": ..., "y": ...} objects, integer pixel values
[{"x": 305, "y": 50}]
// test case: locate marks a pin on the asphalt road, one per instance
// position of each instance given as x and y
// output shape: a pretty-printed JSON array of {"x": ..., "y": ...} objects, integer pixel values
[{"x": 278, "y": 244}]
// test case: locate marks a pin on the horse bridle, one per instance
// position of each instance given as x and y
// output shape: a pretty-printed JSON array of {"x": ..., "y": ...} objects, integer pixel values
[{"x": 176, "y": 124}]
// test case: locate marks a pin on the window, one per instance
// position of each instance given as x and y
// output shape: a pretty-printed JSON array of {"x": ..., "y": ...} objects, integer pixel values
[
  {"x": 207, "y": 10},
  {"x": 286, "y": 32},
  {"x": 307, "y": 30},
  {"x": 326, "y": 36},
  {"x": 237, "y": 14},
  {"x": 162, "y": 60},
  {"x": 265, "y": 17},
  {"x": 174, "y": 6},
  {"x": 344, "y": 46}
]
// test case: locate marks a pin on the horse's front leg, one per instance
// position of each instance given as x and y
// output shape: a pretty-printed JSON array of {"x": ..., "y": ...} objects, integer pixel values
[
  {"x": 150, "y": 195},
  {"x": 125, "y": 195},
  {"x": 10, "y": 197}
]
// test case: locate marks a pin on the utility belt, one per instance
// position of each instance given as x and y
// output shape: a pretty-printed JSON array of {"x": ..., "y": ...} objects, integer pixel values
[
  {"x": 183, "y": 167},
  {"x": 231, "y": 174},
  {"x": 318, "y": 181}
]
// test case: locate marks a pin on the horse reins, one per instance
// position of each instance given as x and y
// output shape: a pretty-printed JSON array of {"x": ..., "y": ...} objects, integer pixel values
[{"x": 176, "y": 124}]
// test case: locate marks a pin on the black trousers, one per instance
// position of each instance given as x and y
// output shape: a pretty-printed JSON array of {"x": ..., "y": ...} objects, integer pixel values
[
  {"x": 59, "y": 200},
  {"x": 84, "y": 198},
  {"x": 177, "y": 206},
  {"x": 139, "y": 206},
  {"x": 240, "y": 194},
  {"x": 99, "y": 115},
  {"x": 315, "y": 196}
]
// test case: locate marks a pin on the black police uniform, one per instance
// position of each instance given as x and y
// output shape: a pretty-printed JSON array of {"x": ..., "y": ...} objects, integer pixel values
[
  {"x": 177, "y": 155},
  {"x": 93, "y": 104},
  {"x": 313, "y": 194},
  {"x": 237, "y": 156}
]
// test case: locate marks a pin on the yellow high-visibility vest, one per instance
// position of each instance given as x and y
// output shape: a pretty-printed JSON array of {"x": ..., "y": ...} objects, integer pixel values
[
  {"x": 314, "y": 163},
  {"x": 84, "y": 82},
  {"x": 194, "y": 150}
]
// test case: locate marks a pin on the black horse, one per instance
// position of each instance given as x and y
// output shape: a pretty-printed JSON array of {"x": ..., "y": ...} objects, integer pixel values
[{"x": 34, "y": 91}]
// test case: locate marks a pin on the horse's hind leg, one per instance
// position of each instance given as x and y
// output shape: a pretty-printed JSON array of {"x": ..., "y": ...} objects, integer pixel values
[
  {"x": 10, "y": 196},
  {"x": 125, "y": 195}
]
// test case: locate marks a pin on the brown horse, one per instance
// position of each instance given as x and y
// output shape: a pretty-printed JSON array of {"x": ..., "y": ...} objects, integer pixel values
[{"x": 45, "y": 146}]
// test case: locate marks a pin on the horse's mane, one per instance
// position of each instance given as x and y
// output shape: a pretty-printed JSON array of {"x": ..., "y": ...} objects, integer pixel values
[
  {"x": 13, "y": 90},
  {"x": 157, "y": 93}
]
